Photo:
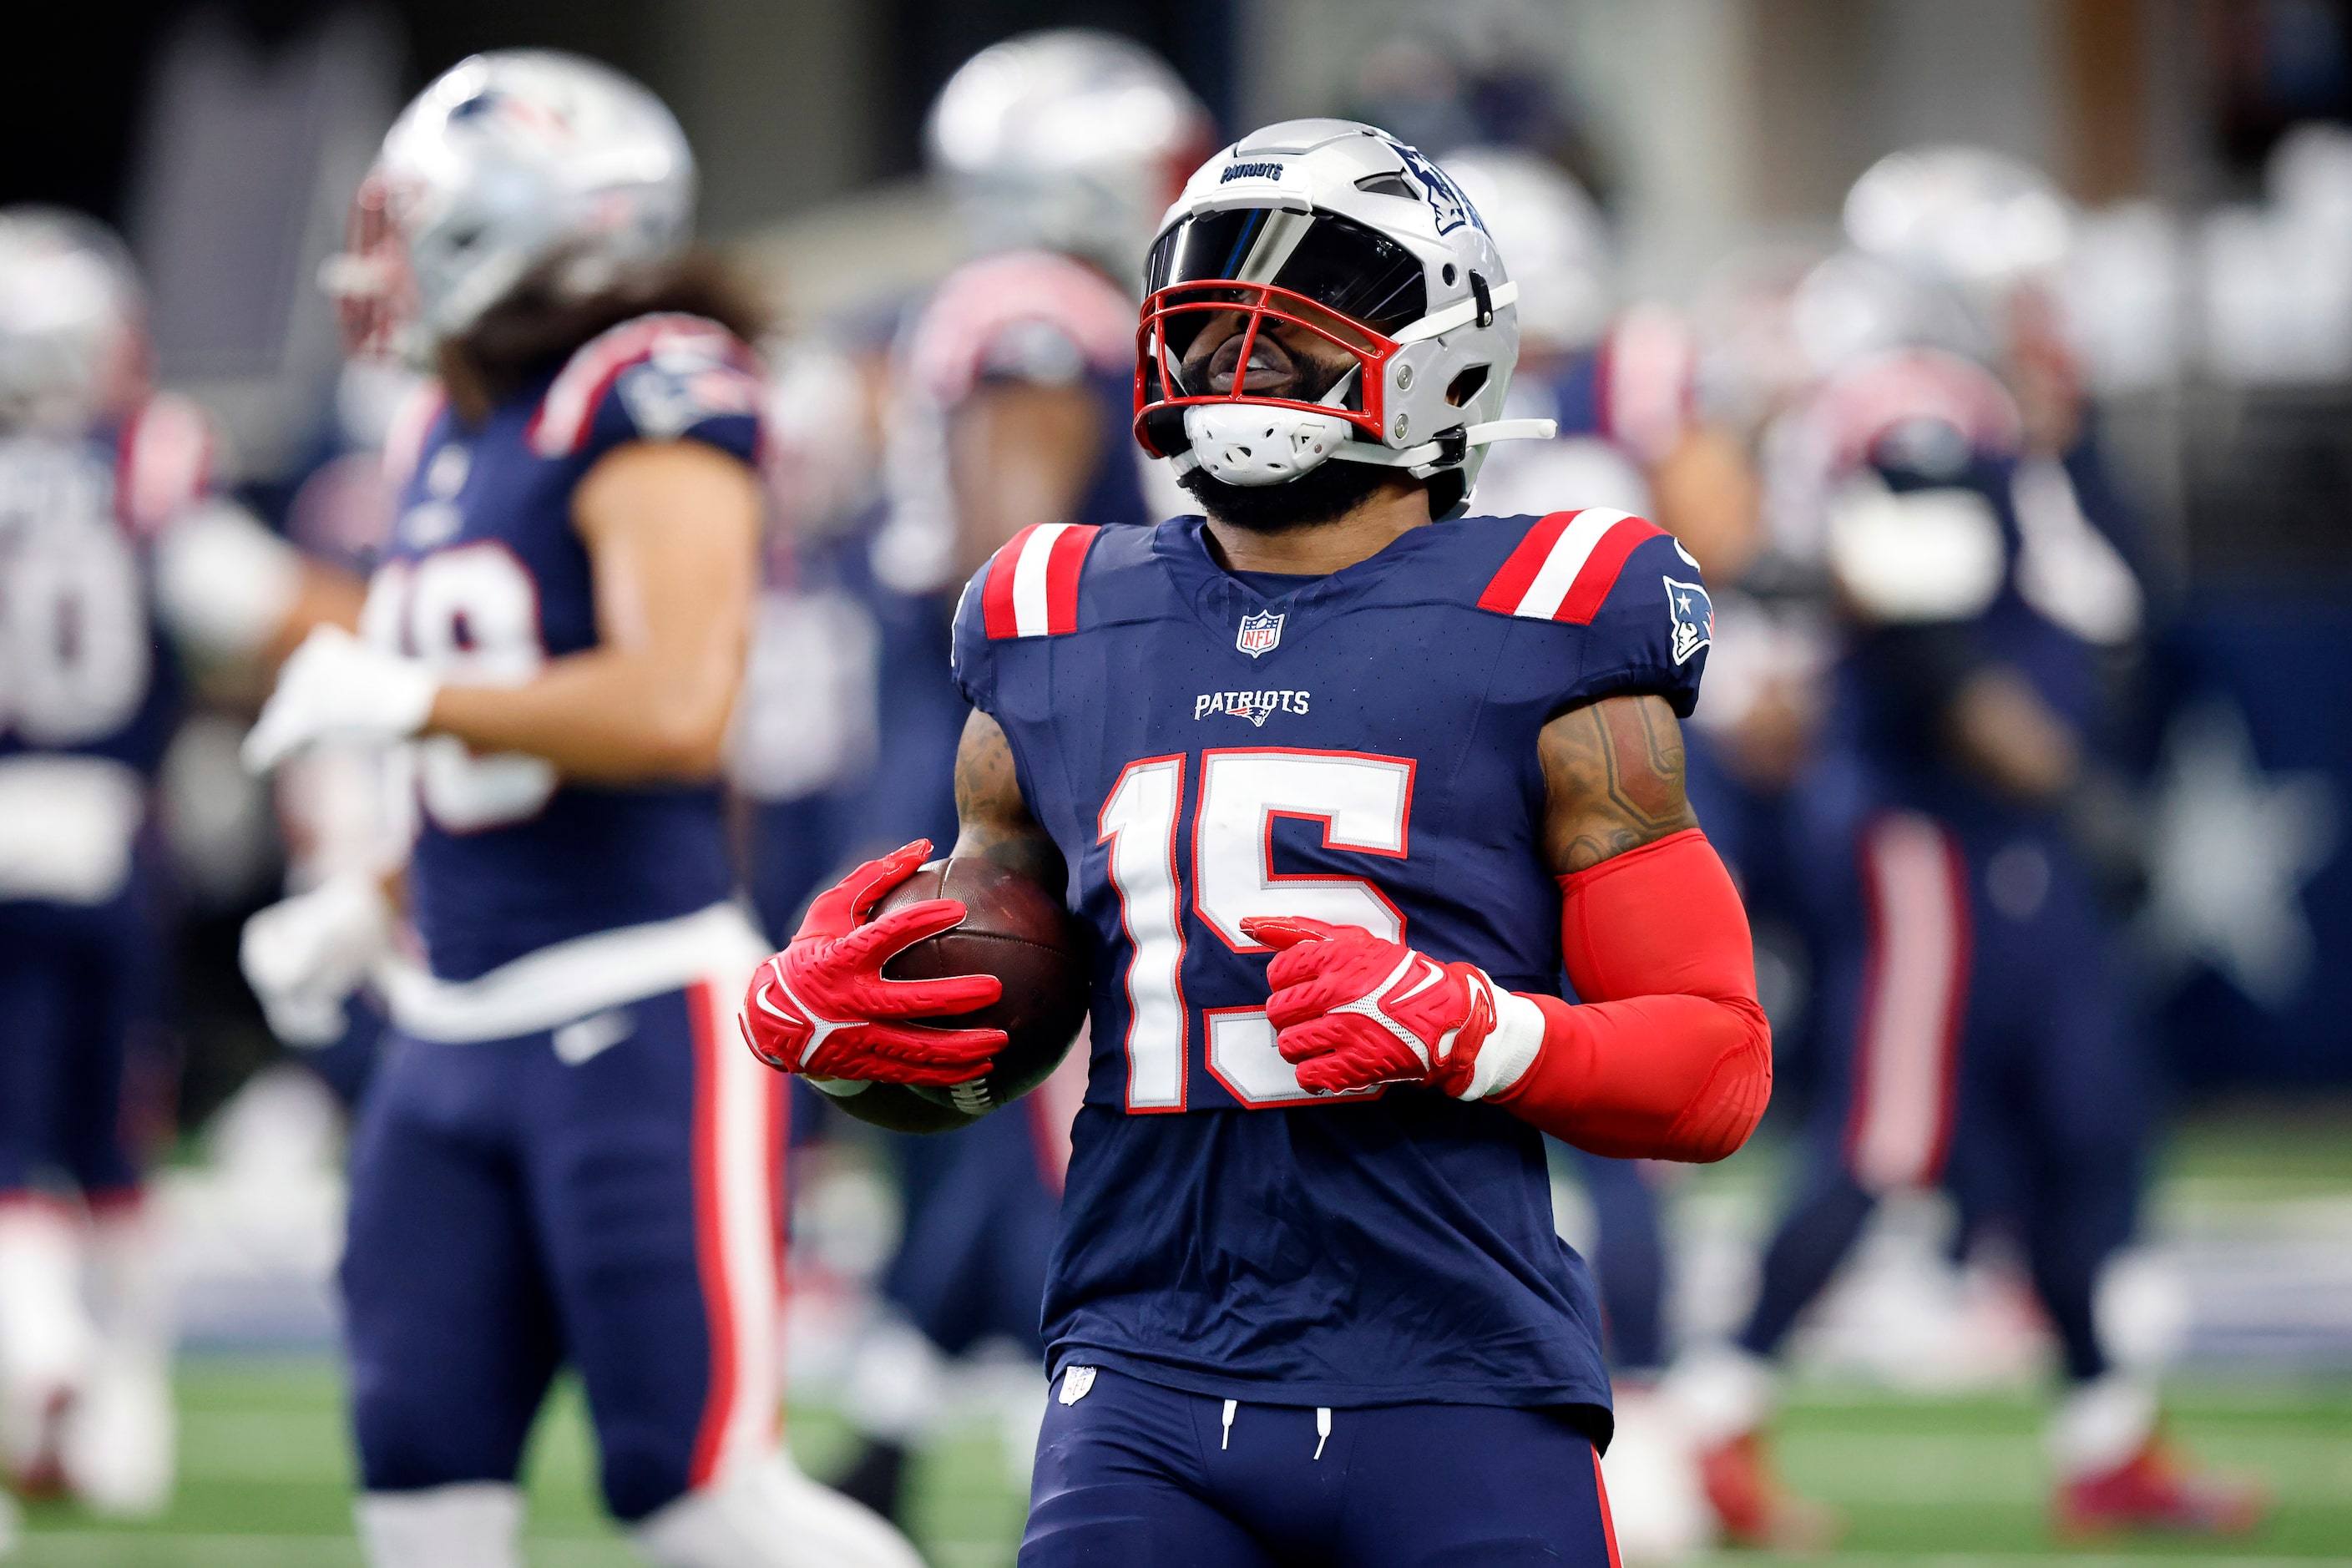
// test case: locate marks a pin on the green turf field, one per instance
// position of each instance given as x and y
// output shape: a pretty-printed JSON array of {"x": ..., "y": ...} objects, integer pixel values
[
  {"x": 266, "y": 1466},
  {"x": 266, "y": 1469}
]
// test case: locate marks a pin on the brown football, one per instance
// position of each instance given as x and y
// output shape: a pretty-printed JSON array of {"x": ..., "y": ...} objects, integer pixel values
[{"x": 1017, "y": 931}]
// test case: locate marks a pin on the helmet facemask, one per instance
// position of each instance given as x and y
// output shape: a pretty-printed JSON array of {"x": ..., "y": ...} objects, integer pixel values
[
  {"x": 371, "y": 280},
  {"x": 1226, "y": 290}
]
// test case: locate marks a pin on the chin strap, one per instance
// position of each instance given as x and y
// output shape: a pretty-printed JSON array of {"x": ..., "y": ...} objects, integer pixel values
[
  {"x": 1443, "y": 452},
  {"x": 1449, "y": 445}
]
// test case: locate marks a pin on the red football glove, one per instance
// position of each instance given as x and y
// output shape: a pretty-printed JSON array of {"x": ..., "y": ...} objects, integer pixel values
[
  {"x": 1352, "y": 1010},
  {"x": 819, "y": 1007}
]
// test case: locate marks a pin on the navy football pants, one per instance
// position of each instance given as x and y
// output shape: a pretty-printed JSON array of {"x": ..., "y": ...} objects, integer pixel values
[
  {"x": 981, "y": 1217},
  {"x": 1133, "y": 1475},
  {"x": 605, "y": 1196},
  {"x": 1988, "y": 1052},
  {"x": 78, "y": 985}
]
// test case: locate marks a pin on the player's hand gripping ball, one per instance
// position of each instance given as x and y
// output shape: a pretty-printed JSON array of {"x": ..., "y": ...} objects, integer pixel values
[
  {"x": 966, "y": 1000},
  {"x": 1016, "y": 931},
  {"x": 822, "y": 1007},
  {"x": 1353, "y": 1011}
]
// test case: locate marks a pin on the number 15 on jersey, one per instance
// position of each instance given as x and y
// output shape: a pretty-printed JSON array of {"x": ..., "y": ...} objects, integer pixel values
[{"x": 1363, "y": 804}]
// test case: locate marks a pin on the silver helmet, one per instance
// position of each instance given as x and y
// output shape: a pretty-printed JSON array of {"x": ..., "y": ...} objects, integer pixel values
[
  {"x": 70, "y": 319},
  {"x": 1555, "y": 238},
  {"x": 1965, "y": 218},
  {"x": 1066, "y": 139},
  {"x": 1339, "y": 230},
  {"x": 509, "y": 162}
]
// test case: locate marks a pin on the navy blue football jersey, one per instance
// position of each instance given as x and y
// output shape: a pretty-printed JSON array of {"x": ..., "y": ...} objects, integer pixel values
[
  {"x": 1360, "y": 748},
  {"x": 2052, "y": 589},
  {"x": 485, "y": 579},
  {"x": 85, "y": 669}
]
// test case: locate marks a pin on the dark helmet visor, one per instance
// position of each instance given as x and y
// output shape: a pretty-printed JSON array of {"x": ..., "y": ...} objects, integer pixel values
[{"x": 1353, "y": 270}]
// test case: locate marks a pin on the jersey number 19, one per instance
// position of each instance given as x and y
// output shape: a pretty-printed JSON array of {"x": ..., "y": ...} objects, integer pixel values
[{"x": 472, "y": 615}]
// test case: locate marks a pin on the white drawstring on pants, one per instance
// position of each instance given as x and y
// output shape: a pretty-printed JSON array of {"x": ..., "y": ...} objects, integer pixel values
[{"x": 1322, "y": 1427}]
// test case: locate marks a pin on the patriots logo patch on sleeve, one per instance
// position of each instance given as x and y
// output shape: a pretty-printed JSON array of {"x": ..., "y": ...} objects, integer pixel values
[
  {"x": 1692, "y": 614},
  {"x": 672, "y": 392}
]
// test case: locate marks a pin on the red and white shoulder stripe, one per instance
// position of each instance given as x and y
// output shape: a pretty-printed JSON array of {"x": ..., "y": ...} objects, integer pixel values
[
  {"x": 560, "y": 427},
  {"x": 164, "y": 464},
  {"x": 1866, "y": 400},
  {"x": 1564, "y": 568},
  {"x": 984, "y": 300},
  {"x": 1032, "y": 587}
]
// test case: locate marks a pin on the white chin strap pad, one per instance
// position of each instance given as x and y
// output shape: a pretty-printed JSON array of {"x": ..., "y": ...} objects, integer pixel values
[
  {"x": 766, "y": 1515},
  {"x": 475, "y": 1524},
  {"x": 1258, "y": 444}
]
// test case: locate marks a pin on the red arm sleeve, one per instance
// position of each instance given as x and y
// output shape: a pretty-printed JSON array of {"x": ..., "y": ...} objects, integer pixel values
[{"x": 1670, "y": 1056}]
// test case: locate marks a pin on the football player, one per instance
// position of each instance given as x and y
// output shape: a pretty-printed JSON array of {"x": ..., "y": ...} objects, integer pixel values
[
  {"x": 1970, "y": 994},
  {"x": 1011, "y": 391},
  {"x": 1337, "y": 781},
  {"x": 114, "y": 561},
  {"x": 557, "y": 1160}
]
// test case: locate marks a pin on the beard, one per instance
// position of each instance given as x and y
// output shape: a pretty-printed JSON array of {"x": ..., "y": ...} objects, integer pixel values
[{"x": 1328, "y": 491}]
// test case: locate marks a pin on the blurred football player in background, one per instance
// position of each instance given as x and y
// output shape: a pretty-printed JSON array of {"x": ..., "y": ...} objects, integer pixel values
[
  {"x": 116, "y": 566},
  {"x": 1971, "y": 999},
  {"x": 1011, "y": 391},
  {"x": 561, "y": 1159}
]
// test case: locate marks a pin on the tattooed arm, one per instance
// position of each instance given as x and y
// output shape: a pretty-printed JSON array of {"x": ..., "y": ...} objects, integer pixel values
[
  {"x": 1614, "y": 781},
  {"x": 1669, "y": 1056},
  {"x": 993, "y": 820}
]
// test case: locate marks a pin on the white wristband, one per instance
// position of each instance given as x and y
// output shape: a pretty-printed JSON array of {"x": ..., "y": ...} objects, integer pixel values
[{"x": 1510, "y": 1048}]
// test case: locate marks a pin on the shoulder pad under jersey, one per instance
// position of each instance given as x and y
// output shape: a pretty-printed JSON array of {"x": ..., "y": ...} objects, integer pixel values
[
  {"x": 1647, "y": 618},
  {"x": 656, "y": 378},
  {"x": 1024, "y": 315}
]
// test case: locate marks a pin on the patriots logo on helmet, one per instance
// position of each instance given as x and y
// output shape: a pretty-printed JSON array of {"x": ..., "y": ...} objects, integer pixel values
[
  {"x": 1260, "y": 634},
  {"x": 1446, "y": 203},
  {"x": 1692, "y": 613}
]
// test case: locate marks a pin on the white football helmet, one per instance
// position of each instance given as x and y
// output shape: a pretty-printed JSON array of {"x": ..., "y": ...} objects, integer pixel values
[
  {"x": 1851, "y": 305},
  {"x": 70, "y": 321},
  {"x": 507, "y": 162},
  {"x": 1555, "y": 238},
  {"x": 1342, "y": 230},
  {"x": 1963, "y": 216},
  {"x": 1066, "y": 139}
]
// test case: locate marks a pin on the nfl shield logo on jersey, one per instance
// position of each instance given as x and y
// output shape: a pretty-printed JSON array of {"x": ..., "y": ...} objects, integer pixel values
[
  {"x": 1693, "y": 613},
  {"x": 1259, "y": 634}
]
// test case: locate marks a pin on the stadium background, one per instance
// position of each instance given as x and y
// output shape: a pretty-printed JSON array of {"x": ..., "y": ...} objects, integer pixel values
[{"x": 2218, "y": 298}]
